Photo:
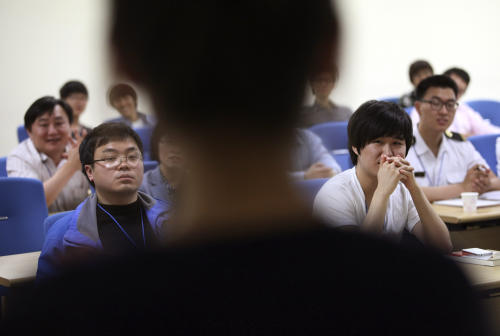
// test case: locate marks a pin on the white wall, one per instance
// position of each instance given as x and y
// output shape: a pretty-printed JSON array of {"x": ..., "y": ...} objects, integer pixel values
[
  {"x": 45, "y": 43},
  {"x": 382, "y": 38}
]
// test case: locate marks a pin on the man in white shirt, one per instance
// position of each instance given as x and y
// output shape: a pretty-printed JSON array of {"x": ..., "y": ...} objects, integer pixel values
[
  {"x": 50, "y": 154},
  {"x": 445, "y": 164},
  {"x": 467, "y": 121},
  {"x": 380, "y": 195}
]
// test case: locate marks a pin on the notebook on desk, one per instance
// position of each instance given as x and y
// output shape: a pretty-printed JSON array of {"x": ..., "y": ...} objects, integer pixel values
[{"x": 457, "y": 202}]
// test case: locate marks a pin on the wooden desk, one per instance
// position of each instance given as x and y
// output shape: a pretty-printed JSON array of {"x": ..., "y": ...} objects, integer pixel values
[
  {"x": 456, "y": 215},
  {"x": 482, "y": 277},
  {"x": 18, "y": 268}
]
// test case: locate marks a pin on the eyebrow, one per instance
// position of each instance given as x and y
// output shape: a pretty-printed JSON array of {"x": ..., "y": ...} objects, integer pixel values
[{"x": 112, "y": 150}]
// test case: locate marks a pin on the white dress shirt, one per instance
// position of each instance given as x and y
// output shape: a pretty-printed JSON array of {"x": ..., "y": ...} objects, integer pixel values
[
  {"x": 26, "y": 161},
  {"x": 450, "y": 166}
]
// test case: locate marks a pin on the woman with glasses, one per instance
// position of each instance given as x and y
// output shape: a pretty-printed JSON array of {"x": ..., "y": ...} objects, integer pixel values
[
  {"x": 116, "y": 219},
  {"x": 445, "y": 163}
]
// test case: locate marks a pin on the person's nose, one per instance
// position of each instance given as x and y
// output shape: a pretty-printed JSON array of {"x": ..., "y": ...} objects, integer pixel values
[
  {"x": 387, "y": 150},
  {"x": 52, "y": 129}
]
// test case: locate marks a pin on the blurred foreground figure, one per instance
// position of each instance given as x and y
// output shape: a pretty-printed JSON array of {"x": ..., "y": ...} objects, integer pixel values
[{"x": 245, "y": 256}]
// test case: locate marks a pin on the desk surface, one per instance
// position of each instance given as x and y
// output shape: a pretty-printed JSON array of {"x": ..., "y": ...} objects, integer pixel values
[
  {"x": 482, "y": 277},
  {"x": 456, "y": 215},
  {"x": 18, "y": 268}
]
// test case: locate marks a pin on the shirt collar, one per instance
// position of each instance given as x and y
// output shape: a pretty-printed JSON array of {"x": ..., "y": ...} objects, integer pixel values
[{"x": 421, "y": 147}]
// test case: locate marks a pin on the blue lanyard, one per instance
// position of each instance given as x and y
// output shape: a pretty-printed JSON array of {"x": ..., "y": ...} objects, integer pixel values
[
  {"x": 438, "y": 177},
  {"x": 121, "y": 228}
]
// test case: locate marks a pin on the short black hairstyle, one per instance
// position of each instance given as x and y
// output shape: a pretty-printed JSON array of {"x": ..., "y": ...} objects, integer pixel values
[
  {"x": 100, "y": 136},
  {"x": 460, "y": 73},
  {"x": 42, "y": 106},
  {"x": 375, "y": 119},
  {"x": 200, "y": 74},
  {"x": 72, "y": 87},
  {"x": 120, "y": 90},
  {"x": 440, "y": 81},
  {"x": 418, "y": 66}
]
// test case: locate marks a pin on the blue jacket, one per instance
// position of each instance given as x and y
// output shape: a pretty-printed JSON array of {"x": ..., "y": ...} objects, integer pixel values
[{"x": 78, "y": 229}]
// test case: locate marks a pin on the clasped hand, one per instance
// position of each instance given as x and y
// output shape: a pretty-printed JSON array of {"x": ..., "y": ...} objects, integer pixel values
[{"x": 393, "y": 169}]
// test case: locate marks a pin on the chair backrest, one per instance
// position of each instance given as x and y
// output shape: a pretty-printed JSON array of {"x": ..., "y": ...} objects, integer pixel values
[
  {"x": 488, "y": 109},
  {"x": 145, "y": 135},
  {"x": 390, "y": 99},
  {"x": 343, "y": 158},
  {"x": 3, "y": 166},
  {"x": 149, "y": 165},
  {"x": 21, "y": 133},
  {"x": 49, "y": 221},
  {"x": 486, "y": 146},
  {"x": 309, "y": 188},
  {"x": 22, "y": 212},
  {"x": 333, "y": 134}
]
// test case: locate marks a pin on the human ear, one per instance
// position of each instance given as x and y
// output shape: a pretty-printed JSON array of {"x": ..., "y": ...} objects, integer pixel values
[
  {"x": 89, "y": 172},
  {"x": 355, "y": 150}
]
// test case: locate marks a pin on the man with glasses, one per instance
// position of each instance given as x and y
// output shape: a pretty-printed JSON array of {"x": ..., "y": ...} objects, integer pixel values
[
  {"x": 116, "y": 219},
  {"x": 445, "y": 163}
]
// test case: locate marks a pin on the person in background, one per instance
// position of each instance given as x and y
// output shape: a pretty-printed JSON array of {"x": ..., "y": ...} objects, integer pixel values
[
  {"x": 310, "y": 159},
  {"x": 76, "y": 95},
  {"x": 323, "y": 109},
  {"x": 380, "y": 195},
  {"x": 467, "y": 121},
  {"x": 418, "y": 71},
  {"x": 123, "y": 98},
  {"x": 244, "y": 255},
  {"x": 50, "y": 154},
  {"x": 445, "y": 163},
  {"x": 164, "y": 181},
  {"x": 117, "y": 218}
]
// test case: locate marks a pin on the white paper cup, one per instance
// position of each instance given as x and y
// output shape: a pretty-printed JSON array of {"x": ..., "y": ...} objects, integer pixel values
[{"x": 469, "y": 200}]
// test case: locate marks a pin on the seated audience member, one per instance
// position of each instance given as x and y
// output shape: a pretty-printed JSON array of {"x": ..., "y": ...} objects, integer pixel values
[
  {"x": 123, "y": 98},
  {"x": 419, "y": 70},
  {"x": 310, "y": 159},
  {"x": 50, "y": 154},
  {"x": 380, "y": 195},
  {"x": 245, "y": 256},
  {"x": 76, "y": 95},
  {"x": 116, "y": 219},
  {"x": 163, "y": 181},
  {"x": 467, "y": 121},
  {"x": 445, "y": 163},
  {"x": 323, "y": 109}
]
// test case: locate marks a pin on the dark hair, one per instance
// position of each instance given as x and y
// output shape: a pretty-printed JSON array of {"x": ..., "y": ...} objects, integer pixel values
[
  {"x": 120, "y": 90},
  {"x": 418, "y": 66},
  {"x": 375, "y": 119},
  {"x": 100, "y": 136},
  {"x": 332, "y": 71},
  {"x": 72, "y": 87},
  {"x": 460, "y": 73},
  {"x": 42, "y": 106},
  {"x": 200, "y": 75},
  {"x": 440, "y": 81}
]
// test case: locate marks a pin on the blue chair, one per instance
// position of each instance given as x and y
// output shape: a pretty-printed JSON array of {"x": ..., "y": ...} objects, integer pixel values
[
  {"x": 49, "y": 221},
  {"x": 343, "y": 158},
  {"x": 22, "y": 212},
  {"x": 390, "y": 99},
  {"x": 488, "y": 109},
  {"x": 408, "y": 109},
  {"x": 486, "y": 146},
  {"x": 145, "y": 135},
  {"x": 333, "y": 134},
  {"x": 21, "y": 133},
  {"x": 309, "y": 188},
  {"x": 3, "y": 166},
  {"x": 149, "y": 165}
]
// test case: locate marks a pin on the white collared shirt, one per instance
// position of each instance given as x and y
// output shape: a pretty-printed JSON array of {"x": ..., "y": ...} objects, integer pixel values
[
  {"x": 26, "y": 161},
  {"x": 449, "y": 167},
  {"x": 341, "y": 202}
]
